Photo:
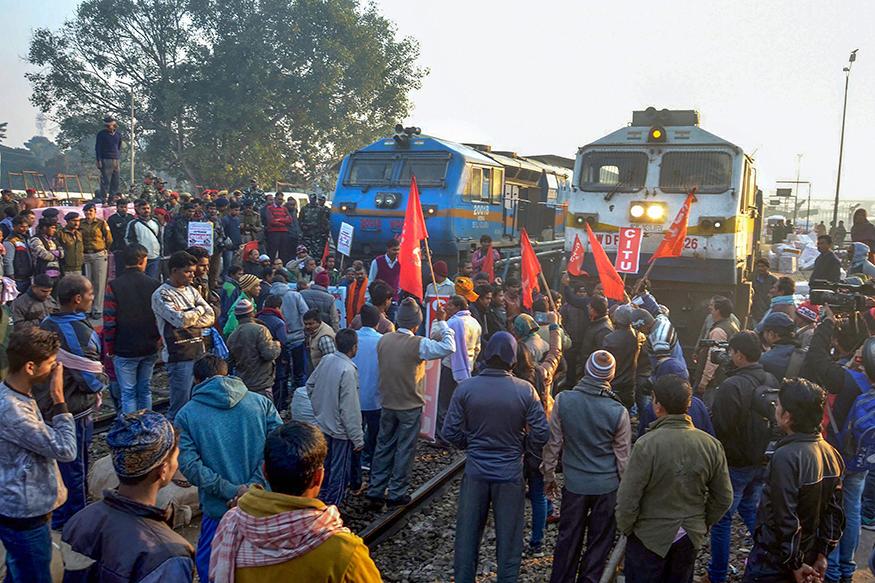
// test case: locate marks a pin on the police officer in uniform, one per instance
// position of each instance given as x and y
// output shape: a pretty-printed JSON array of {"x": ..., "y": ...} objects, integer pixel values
[{"x": 315, "y": 219}]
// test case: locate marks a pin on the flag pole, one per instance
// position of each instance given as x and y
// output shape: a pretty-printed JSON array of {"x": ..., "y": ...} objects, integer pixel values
[
  {"x": 430, "y": 269},
  {"x": 549, "y": 294}
]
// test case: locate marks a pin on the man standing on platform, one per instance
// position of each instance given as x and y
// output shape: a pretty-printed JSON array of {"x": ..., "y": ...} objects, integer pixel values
[{"x": 107, "y": 149}]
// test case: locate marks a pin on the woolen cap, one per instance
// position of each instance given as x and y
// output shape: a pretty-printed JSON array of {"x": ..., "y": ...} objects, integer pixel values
[
  {"x": 440, "y": 269},
  {"x": 243, "y": 307},
  {"x": 248, "y": 281},
  {"x": 322, "y": 279},
  {"x": 409, "y": 315},
  {"x": 601, "y": 365}
]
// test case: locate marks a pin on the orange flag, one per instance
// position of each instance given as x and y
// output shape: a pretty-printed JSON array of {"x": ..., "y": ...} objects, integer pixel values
[
  {"x": 575, "y": 262},
  {"x": 611, "y": 280},
  {"x": 412, "y": 235},
  {"x": 530, "y": 268},
  {"x": 673, "y": 243},
  {"x": 488, "y": 266}
]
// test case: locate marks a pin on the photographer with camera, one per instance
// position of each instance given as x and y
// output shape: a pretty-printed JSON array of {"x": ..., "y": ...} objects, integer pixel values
[
  {"x": 778, "y": 333},
  {"x": 849, "y": 416},
  {"x": 745, "y": 431},
  {"x": 721, "y": 330}
]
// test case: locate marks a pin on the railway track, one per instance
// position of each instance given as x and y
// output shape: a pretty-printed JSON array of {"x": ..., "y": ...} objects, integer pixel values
[
  {"x": 103, "y": 421},
  {"x": 389, "y": 523}
]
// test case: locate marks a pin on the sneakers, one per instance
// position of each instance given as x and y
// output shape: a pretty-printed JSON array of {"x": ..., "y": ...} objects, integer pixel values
[
  {"x": 553, "y": 518},
  {"x": 868, "y": 523},
  {"x": 535, "y": 551}
]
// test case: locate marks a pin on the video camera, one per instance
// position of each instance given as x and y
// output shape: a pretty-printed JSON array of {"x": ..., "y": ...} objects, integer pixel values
[
  {"x": 842, "y": 297},
  {"x": 719, "y": 351}
]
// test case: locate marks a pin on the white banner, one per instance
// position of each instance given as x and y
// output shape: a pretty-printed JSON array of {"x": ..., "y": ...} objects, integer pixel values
[
  {"x": 344, "y": 239},
  {"x": 201, "y": 235}
]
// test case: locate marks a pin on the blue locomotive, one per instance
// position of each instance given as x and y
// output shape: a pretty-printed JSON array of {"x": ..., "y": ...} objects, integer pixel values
[{"x": 466, "y": 191}]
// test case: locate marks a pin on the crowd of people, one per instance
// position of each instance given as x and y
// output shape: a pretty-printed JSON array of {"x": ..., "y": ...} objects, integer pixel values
[{"x": 546, "y": 401}]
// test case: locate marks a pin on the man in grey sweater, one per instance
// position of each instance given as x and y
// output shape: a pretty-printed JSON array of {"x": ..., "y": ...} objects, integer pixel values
[
  {"x": 333, "y": 390},
  {"x": 590, "y": 426}
]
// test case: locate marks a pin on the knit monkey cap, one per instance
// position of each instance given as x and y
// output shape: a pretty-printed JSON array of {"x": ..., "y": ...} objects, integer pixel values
[
  {"x": 409, "y": 315},
  {"x": 601, "y": 365}
]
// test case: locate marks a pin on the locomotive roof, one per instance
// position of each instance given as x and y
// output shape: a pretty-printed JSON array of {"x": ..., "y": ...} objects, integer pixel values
[
  {"x": 676, "y": 136},
  {"x": 423, "y": 143}
]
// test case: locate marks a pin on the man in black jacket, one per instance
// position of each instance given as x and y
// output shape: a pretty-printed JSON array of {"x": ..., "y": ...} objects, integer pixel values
[
  {"x": 118, "y": 227},
  {"x": 745, "y": 437},
  {"x": 778, "y": 331},
  {"x": 827, "y": 266},
  {"x": 599, "y": 326},
  {"x": 176, "y": 232},
  {"x": 763, "y": 283},
  {"x": 130, "y": 331},
  {"x": 623, "y": 344},
  {"x": 800, "y": 518}
]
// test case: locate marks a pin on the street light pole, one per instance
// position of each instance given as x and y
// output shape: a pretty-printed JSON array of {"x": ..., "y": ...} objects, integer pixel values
[
  {"x": 847, "y": 70},
  {"x": 796, "y": 190},
  {"x": 133, "y": 140}
]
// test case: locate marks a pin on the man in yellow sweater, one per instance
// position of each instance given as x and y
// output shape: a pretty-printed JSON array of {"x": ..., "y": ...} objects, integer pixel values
[{"x": 287, "y": 534}]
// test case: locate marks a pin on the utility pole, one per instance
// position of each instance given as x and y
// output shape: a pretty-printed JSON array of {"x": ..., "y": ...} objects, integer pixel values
[
  {"x": 847, "y": 70},
  {"x": 796, "y": 189}
]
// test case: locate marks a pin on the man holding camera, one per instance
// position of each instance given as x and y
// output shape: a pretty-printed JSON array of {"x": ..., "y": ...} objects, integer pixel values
[
  {"x": 778, "y": 332},
  {"x": 721, "y": 330},
  {"x": 745, "y": 435},
  {"x": 843, "y": 379}
]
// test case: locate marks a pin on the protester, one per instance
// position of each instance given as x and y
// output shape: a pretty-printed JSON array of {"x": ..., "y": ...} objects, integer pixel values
[
  {"x": 29, "y": 451},
  {"x": 366, "y": 361},
  {"x": 782, "y": 297},
  {"x": 458, "y": 366},
  {"x": 222, "y": 435},
  {"x": 333, "y": 391},
  {"x": 130, "y": 330},
  {"x": 254, "y": 351},
  {"x": 599, "y": 326},
  {"x": 118, "y": 226},
  {"x": 70, "y": 240},
  {"x": 287, "y": 534},
  {"x": 721, "y": 329},
  {"x": 445, "y": 286},
  {"x": 862, "y": 231},
  {"x": 97, "y": 540},
  {"x": 293, "y": 308},
  {"x": 97, "y": 239},
  {"x": 107, "y": 150},
  {"x": 318, "y": 298},
  {"x": 622, "y": 343},
  {"x": 146, "y": 231},
  {"x": 18, "y": 260},
  {"x": 490, "y": 416},
  {"x": 664, "y": 513},
  {"x": 181, "y": 314},
  {"x": 355, "y": 294},
  {"x": 386, "y": 267},
  {"x": 480, "y": 310},
  {"x": 32, "y": 307},
  {"x": 800, "y": 519},
  {"x": 320, "y": 338},
  {"x": 745, "y": 435},
  {"x": 479, "y": 256},
  {"x": 231, "y": 223},
  {"x": 176, "y": 231},
  {"x": 401, "y": 356},
  {"x": 381, "y": 298},
  {"x": 271, "y": 315},
  {"x": 591, "y": 428},
  {"x": 250, "y": 223},
  {"x": 201, "y": 281},
  {"x": 827, "y": 267}
]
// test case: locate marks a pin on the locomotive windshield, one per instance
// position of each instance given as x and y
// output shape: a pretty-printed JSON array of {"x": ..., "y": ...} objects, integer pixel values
[
  {"x": 709, "y": 172},
  {"x": 620, "y": 171},
  {"x": 428, "y": 172},
  {"x": 370, "y": 171}
]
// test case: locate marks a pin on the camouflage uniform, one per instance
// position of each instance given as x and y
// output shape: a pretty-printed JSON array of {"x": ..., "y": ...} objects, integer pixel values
[
  {"x": 315, "y": 222},
  {"x": 250, "y": 226},
  {"x": 254, "y": 194}
]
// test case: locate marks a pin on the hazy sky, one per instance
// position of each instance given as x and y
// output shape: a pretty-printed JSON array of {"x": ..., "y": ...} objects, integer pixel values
[{"x": 549, "y": 76}]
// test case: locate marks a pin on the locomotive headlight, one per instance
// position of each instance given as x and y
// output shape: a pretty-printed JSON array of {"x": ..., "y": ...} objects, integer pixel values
[
  {"x": 637, "y": 211},
  {"x": 347, "y": 208},
  {"x": 391, "y": 200},
  {"x": 429, "y": 210},
  {"x": 655, "y": 212},
  {"x": 656, "y": 134}
]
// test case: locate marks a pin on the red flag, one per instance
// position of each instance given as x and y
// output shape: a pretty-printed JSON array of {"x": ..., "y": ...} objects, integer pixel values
[
  {"x": 611, "y": 280},
  {"x": 530, "y": 268},
  {"x": 488, "y": 266},
  {"x": 326, "y": 252},
  {"x": 575, "y": 262},
  {"x": 673, "y": 242},
  {"x": 412, "y": 235}
]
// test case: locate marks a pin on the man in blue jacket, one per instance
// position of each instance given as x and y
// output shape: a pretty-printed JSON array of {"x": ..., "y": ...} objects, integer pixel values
[
  {"x": 107, "y": 150},
  {"x": 488, "y": 417},
  {"x": 222, "y": 431}
]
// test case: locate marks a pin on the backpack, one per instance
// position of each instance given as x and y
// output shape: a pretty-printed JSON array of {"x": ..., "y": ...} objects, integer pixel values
[
  {"x": 761, "y": 421},
  {"x": 797, "y": 360},
  {"x": 857, "y": 437}
]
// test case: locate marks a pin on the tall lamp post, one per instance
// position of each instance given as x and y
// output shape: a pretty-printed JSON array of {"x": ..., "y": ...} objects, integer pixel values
[{"x": 847, "y": 70}]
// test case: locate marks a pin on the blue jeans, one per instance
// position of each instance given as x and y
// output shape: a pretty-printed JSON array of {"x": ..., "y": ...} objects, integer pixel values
[
  {"x": 180, "y": 378},
  {"x": 115, "y": 392},
  {"x": 135, "y": 380},
  {"x": 540, "y": 504},
  {"x": 152, "y": 268},
  {"x": 298, "y": 358},
  {"x": 75, "y": 475},
  {"x": 747, "y": 489},
  {"x": 396, "y": 449},
  {"x": 28, "y": 554},
  {"x": 841, "y": 559},
  {"x": 371, "y": 421},
  {"x": 507, "y": 500},
  {"x": 227, "y": 259},
  {"x": 205, "y": 546},
  {"x": 338, "y": 467}
]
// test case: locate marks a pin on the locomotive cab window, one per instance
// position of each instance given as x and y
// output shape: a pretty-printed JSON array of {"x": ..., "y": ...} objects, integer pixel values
[
  {"x": 622, "y": 171},
  {"x": 366, "y": 171},
  {"x": 428, "y": 172},
  {"x": 709, "y": 172},
  {"x": 485, "y": 184}
]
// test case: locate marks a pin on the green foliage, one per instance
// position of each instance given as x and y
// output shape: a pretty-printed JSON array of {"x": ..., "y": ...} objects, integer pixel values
[{"x": 229, "y": 89}]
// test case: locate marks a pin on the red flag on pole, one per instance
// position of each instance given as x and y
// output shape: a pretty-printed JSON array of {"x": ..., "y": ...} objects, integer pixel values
[
  {"x": 611, "y": 280},
  {"x": 326, "y": 252},
  {"x": 488, "y": 266},
  {"x": 673, "y": 243},
  {"x": 575, "y": 262},
  {"x": 530, "y": 268},
  {"x": 412, "y": 235}
]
